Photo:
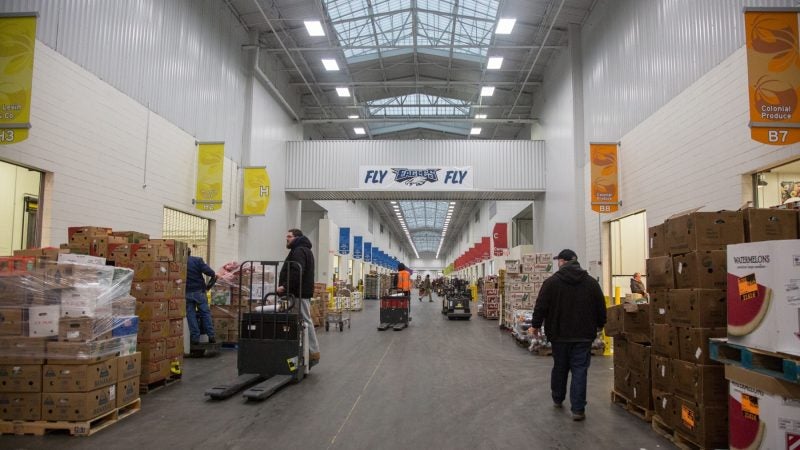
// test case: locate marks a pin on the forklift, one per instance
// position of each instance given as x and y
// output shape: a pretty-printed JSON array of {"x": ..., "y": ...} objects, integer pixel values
[
  {"x": 457, "y": 301},
  {"x": 273, "y": 341}
]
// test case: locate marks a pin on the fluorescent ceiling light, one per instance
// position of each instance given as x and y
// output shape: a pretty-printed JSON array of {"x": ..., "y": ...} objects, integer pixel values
[
  {"x": 355, "y": 116},
  {"x": 495, "y": 62},
  {"x": 314, "y": 28},
  {"x": 394, "y": 203},
  {"x": 344, "y": 92},
  {"x": 331, "y": 64},
  {"x": 359, "y": 130},
  {"x": 479, "y": 116},
  {"x": 486, "y": 91},
  {"x": 475, "y": 131},
  {"x": 452, "y": 203},
  {"x": 504, "y": 26}
]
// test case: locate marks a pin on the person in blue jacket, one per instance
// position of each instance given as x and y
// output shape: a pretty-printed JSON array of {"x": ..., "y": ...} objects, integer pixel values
[{"x": 196, "y": 299}]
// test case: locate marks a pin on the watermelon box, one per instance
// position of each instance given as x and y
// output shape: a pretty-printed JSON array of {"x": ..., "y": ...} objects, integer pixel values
[
  {"x": 764, "y": 295},
  {"x": 762, "y": 410}
]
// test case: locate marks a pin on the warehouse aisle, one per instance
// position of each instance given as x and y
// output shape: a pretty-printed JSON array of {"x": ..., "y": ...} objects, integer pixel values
[{"x": 438, "y": 384}]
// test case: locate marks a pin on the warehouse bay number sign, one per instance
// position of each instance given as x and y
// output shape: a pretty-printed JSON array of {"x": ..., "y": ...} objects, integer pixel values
[{"x": 17, "y": 42}]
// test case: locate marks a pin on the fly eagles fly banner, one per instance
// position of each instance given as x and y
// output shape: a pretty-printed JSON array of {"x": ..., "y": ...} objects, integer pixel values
[{"x": 415, "y": 178}]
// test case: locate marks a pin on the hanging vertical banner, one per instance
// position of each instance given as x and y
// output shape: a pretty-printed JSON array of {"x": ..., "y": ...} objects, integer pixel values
[
  {"x": 357, "y": 247},
  {"x": 344, "y": 240},
  {"x": 255, "y": 191},
  {"x": 773, "y": 74},
  {"x": 486, "y": 248},
  {"x": 500, "y": 238},
  {"x": 210, "y": 162},
  {"x": 367, "y": 252},
  {"x": 376, "y": 256},
  {"x": 605, "y": 177},
  {"x": 17, "y": 44}
]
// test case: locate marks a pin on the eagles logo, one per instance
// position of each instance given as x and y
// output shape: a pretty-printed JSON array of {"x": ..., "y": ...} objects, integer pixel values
[{"x": 415, "y": 177}]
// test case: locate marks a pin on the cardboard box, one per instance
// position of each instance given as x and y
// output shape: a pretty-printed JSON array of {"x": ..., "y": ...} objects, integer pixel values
[
  {"x": 43, "y": 320},
  {"x": 129, "y": 366},
  {"x": 622, "y": 381},
  {"x": 661, "y": 373},
  {"x": 20, "y": 406},
  {"x": 153, "y": 371},
  {"x": 152, "y": 290},
  {"x": 657, "y": 241},
  {"x": 694, "y": 344},
  {"x": 641, "y": 390},
  {"x": 620, "y": 352},
  {"x": 658, "y": 305},
  {"x": 660, "y": 273},
  {"x": 177, "y": 308},
  {"x": 700, "y": 231},
  {"x": 764, "y": 295},
  {"x": 83, "y": 329},
  {"x": 11, "y": 321},
  {"x": 762, "y": 408},
  {"x": 143, "y": 252},
  {"x": 702, "y": 384},
  {"x": 120, "y": 253},
  {"x": 639, "y": 358},
  {"x": 150, "y": 270},
  {"x": 701, "y": 270},
  {"x": 665, "y": 341},
  {"x": 512, "y": 266},
  {"x": 176, "y": 327},
  {"x": 154, "y": 350},
  {"x": 79, "y": 377},
  {"x": 132, "y": 237},
  {"x": 697, "y": 308},
  {"x": 21, "y": 378},
  {"x": 706, "y": 426},
  {"x": 15, "y": 350},
  {"x": 614, "y": 321},
  {"x": 82, "y": 352},
  {"x": 127, "y": 391},
  {"x": 81, "y": 259},
  {"x": 174, "y": 345},
  {"x": 152, "y": 310},
  {"x": 79, "y": 406},
  {"x": 664, "y": 406},
  {"x": 153, "y": 330},
  {"x": 636, "y": 326},
  {"x": 769, "y": 224},
  {"x": 80, "y": 232}
]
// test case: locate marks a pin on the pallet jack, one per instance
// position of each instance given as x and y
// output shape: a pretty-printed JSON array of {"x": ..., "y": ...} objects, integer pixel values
[
  {"x": 394, "y": 312},
  {"x": 273, "y": 350}
]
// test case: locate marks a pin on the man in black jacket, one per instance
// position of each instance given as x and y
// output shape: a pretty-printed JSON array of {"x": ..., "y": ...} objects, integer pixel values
[
  {"x": 303, "y": 288},
  {"x": 572, "y": 307}
]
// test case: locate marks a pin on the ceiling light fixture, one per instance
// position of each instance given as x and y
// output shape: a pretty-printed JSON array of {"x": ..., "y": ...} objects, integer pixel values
[
  {"x": 314, "y": 28},
  {"x": 331, "y": 64},
  {"x": 504, "y": 26},
  {"x": 359, "y": 130},
  {"x": 486, "y": 91},
  {"x": 479, "y": 116},
  {"x": 475, "y": 131},
  {"x": 355, "y": 116},
  {"x": 344, "y": 92},
  {"x": 495, "y": 62}
]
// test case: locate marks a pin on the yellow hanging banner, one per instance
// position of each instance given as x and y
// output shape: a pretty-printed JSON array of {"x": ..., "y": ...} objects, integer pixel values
[
  {"x": 605, "y": 178},
  {"x": 210, "y": 162},
  {"x": 773, "y": 74},
  {"x": 255, "y": 191},
  {"x": 17, "y": 43}
]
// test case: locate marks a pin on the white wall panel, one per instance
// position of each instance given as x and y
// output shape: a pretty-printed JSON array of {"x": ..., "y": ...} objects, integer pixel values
[
  {"x": 497, "y": 165},
  {"x": 180, "y": 58}
]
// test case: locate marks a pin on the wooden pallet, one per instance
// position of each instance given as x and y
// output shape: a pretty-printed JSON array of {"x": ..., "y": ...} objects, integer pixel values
[
  {"x": 674, "y": 436},
  {"x": 85, "y": 428},
  {"x": 777, "y": 365},
  {"x": 156, "y": 385},
  {"x": 628, "y": 405}
]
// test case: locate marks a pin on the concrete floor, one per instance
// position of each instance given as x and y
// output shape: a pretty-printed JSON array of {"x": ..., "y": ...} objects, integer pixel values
[{"x": 437, "y": 384}]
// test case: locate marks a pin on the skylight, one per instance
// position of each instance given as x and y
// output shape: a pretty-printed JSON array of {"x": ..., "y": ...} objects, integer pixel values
[
  {"x": 418, "y": 105},
  {"x": 425, "y": 220},
  {"x": 365, "y": 27}
]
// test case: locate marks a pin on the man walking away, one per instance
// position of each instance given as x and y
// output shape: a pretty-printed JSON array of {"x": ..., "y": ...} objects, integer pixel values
[
  {"x": 572, "y": 307},
  {"x": 196, "y": 299},
  {"x": 300, "y": 252},
  {"x": 427, "y": 285}
]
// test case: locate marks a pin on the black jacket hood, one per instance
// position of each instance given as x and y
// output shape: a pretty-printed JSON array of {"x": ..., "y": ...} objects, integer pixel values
[
  {"x": 572, "y": 273},
  {"x": 301, "y": 241}
]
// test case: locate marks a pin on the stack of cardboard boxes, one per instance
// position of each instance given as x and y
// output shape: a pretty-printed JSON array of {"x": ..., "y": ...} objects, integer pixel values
[
  {"x": 523, "y": 280},
  {"x": 65, "y": 341},
  {"x": 630, "y": 326},
  {"x": 491, "y": 297},
  {"x": 319, "y": 304}
]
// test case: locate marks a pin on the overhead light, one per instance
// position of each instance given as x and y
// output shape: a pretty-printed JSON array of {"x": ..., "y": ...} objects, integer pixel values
[
  {"x": 355, "y": 116},
  {"x": 331, "y": 64},
  {"x": 495, "y": 62},
  {"x": 504, "y": 26},
  {"x": 475, "y": 131},
  {"x": 452, "y": 203},
  {"x": 344, "y": 92},
  {"x": 486, "y": 91},
  {"x": 394, "y": 203},
  {"x": 359, "y": 130},
  {"x": 479, "y": 116},
  {"x": 314, "y": 28}
]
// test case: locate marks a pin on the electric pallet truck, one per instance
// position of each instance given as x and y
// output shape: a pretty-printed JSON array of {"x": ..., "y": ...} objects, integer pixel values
[
  {"x": 457, "y": 301},
  {"x": 273, "y": 340},
  {"x": 394, "y": 311}
]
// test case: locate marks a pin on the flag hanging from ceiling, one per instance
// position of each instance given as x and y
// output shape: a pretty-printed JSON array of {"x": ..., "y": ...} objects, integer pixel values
[{"x": 210, "y": 162}]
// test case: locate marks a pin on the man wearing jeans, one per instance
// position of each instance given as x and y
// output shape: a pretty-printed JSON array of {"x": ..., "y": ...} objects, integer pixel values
[
  {"x": 572, "y": 307},
  {"x": 303, "y": 288},
  {"x": 196, "y": 299}
]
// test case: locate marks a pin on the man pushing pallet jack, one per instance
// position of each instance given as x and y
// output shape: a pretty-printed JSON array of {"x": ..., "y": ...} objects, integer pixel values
[{"x": 396, "y": 307}]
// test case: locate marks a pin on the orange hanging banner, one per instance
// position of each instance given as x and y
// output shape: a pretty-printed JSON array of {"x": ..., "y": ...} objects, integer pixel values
[
  {"x": 773, "y": 74},
  {"x": 605, "y": 178}
]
